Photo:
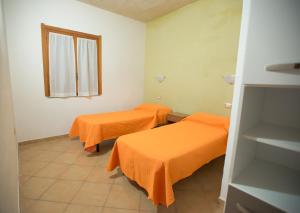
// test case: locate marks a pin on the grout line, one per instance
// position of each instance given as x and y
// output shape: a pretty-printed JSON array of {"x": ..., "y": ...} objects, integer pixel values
[
  {"x": 47, "y": 163},
  {"x": 83, "y": 181},
  {"x": 65, "y": 209},
  {"x": 107, "y": 196},
  {"x": 124, "y": 208},
  {"x": 140, "y": 202},
  {"x": 47, "y": 188},
  {"x": 79, "y": 188}
]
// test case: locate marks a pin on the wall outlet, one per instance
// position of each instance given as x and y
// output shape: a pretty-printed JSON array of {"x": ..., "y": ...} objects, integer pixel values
[{"x": 228, "y": 105}]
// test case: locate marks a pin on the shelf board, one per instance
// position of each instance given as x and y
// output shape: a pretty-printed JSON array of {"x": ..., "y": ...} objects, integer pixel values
[
  {"x": 274, "y": 184},
  {"x": 284, "y": 67},
  {"x": 283, "y": 137}
]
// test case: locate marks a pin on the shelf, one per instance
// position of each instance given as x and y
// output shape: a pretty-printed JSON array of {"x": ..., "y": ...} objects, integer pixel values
[
  {"x": 284, "y": 67},
  {"x": 277, "y": 185},
  {"x": 283, "y": 137}
]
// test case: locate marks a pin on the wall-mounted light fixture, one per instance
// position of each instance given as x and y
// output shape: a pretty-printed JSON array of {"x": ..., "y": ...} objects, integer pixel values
[
  {"x": 229, "y": 79},
  {"x": 160, "y": 78}
]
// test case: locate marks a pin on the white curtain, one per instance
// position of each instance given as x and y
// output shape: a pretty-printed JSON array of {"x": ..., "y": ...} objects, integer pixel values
[
  {"x": 87, "y": 67},
  {"x": 62, "y": 70}
]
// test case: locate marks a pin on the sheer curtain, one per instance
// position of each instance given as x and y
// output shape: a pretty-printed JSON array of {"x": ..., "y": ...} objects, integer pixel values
[
  {"x": 87, "y": 67},
  {"x": 62, "y": 69}
]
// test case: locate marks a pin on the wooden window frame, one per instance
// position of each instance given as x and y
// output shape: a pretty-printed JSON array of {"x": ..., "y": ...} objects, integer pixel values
[{"x": 46, "y": 29}]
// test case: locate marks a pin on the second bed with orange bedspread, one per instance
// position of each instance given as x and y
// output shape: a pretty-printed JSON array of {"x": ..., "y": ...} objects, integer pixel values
[
  {"x": 93, "y": 129},
  {"x": 158, "y": 158}
]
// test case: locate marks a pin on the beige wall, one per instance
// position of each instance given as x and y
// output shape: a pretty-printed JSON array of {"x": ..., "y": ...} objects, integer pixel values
[
  {"x": 8, "y": 147},
  {"x": 193, "y": 47}
]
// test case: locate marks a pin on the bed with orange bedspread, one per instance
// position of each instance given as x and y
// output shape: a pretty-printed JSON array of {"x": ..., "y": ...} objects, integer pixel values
[
  {"x": 158, "y": 158},
  {"x": 93, "y": 129}
]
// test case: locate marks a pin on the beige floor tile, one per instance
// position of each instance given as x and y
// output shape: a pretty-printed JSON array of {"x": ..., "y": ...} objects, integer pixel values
[
  {"x": 62, "y": 191},
  {"x": 114, "y": 210},
  {"x": 170, "y": 209},
  {"x": 218, "y": 164},
  {"x": 122, "y": 196},
  {"x": 45, "y": 156},
  {"x": 92, "y": 194},
  {"x": 102, "y": 158},
  {"x": 74, "y": 208},
  {"x": 192, "y": 202},
  {"x": 69, "y": 158},
  {"x": 52, "y": 170},
  {"x": 75, "y": 147},
  {"x": 24, "y": 146},
  {"x": 31, "y": 167},
  {"x": 75, "y": 172},
  {"x": 127, "y": 183},
  {"x": 42, "y": 146},
  {"x": 35, "y": 187},
  {"x": 26, "y": 203},
  {"x": 27, "y": 154},
  {"x": 146, "y": 204},
  {"x": 86, "y": 160},
  {"x": 189, "y": 183},
  {"x": 46, "y": 207},
  {"x": 205, "y": 178},
  {"x": 120, "y": 178},
  {"x": 102, "y": 161},
  {"x": 58, "y": 146},
  {"x": 209, "y": 178},
  {"x": 23, "y": 179},
  {"x": 142, "y": 211},
  {"x": 100, "y": 175}
]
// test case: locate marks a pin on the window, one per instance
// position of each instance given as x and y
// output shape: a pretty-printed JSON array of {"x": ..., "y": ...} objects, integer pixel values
[{"x": 72, "y": 62}]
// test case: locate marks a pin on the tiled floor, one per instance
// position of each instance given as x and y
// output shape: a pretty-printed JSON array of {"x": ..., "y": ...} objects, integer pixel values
[{"x": 58, "y": 176}]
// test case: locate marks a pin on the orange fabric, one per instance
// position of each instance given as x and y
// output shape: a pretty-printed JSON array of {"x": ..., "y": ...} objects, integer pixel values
[
  {"x": 158, "y": 158},
  {"x": 93, "y": 129},
  {"x": 209, "y": 119},
  {"x": 161, "y": 111}
]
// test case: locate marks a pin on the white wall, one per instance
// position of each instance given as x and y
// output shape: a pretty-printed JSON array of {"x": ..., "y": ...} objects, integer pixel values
[
  {"x": 9, "y": 198},
  {"x": 123, "y": 63}
]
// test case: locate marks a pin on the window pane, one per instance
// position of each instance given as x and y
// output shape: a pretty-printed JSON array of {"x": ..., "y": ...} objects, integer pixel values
[
  {"x": 87, "y": 67},
  {"x": 62, "y": 72}
]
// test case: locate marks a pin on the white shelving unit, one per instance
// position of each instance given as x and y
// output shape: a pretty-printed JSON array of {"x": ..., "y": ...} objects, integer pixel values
[
  {"x": 293, "y": 67},
  {"x": 267, "y": 158},
  {"x": 283, "y": 137},
  {"x": 272, "y": 38},
  {"x": 277, "y": 185},
  {"x": 262, "y": 163}
]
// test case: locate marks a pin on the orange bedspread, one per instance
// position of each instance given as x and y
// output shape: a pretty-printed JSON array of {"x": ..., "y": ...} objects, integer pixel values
[
  {"x": 93, "y": 129},
  {"x": 158, "y": 158}
]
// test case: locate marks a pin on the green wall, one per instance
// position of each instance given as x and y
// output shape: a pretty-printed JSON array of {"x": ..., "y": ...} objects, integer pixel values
[{"x": 193, "y": 47}]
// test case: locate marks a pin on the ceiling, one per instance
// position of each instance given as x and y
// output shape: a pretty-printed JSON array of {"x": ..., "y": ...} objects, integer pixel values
[{"x": 142, "y": 10}]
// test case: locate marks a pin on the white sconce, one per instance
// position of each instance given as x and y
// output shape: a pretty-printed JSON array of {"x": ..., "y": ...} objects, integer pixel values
[
  {"x": 229, "y": 79},
  {"x": 160, "y": 78}
]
